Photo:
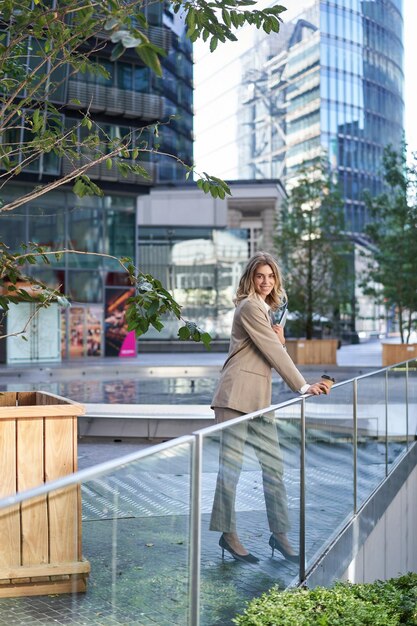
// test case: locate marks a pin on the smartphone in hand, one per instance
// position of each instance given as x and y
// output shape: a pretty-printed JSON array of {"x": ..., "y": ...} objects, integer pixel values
[{"x": 280, "y": 315}]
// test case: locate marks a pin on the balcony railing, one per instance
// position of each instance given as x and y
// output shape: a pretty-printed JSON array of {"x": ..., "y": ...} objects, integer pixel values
[
  {"x": 114, "y": 101},
  {"x": 146, "y": 515}
]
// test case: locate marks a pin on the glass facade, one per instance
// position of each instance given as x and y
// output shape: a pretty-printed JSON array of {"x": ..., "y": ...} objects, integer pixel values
[
  {"x": 127, "y": 99},
  {"x": 61, "y": 221},
  {"x": 361, "y": 87},
  {"x": 330, "y": 82},
  {"x": 201, "y": 267}
]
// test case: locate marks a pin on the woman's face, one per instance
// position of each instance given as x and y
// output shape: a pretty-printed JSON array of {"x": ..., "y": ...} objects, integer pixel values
[{"x": 264, "y": 280}]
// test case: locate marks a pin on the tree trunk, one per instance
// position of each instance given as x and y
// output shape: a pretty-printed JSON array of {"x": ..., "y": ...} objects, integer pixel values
[{"x": 309, "y": 316}]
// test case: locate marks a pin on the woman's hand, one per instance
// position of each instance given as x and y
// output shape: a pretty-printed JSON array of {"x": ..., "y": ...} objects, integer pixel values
[
  {"x": 316, "y": 389},
  {"x": 279, "y": 331}
]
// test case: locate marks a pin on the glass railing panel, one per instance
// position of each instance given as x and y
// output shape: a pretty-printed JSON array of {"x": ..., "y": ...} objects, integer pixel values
[
  {"x": 371, "y": 457},
  {"x": 412, "y": 400},
  {"x": 396, "y": 413},
  {"x": 246, "y": 465},
  {"x": 329, "y": 467},
  {"x": 132, "y": 525}
]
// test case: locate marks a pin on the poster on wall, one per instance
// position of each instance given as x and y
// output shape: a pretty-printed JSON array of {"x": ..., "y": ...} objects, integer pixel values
[
  {"x": 118, "y": 340},
  {"x": 93, "y": 339},
  {"x": 85, "y": 331},
  {"x": 76, "y": 332}
]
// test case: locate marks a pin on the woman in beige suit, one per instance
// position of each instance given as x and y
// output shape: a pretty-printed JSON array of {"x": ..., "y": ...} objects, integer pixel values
[{"x": 245, "y": 386}]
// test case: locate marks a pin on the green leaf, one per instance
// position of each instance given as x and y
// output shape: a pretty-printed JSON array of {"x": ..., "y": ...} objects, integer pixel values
[
  {"x": 156, "y": 323},
  {"x": 117, "y": 52},
  {"x": 190, "y": 20},
  {"x": 234, "y": 19},
  {"x": 226, "y": 17},
  {"x": 184, "y": 333},
  {"x": 4, "y": 303},
  {"x": 213, "y": 44},
  {"x": 150, "y": 58},
  {"x": 206, "y": 339}
]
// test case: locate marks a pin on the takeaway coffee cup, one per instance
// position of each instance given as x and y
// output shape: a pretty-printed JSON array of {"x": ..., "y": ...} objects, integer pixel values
[{"x": 328, "y": 381}]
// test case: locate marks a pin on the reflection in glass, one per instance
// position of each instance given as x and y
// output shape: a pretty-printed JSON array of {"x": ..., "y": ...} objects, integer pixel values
[
  {"x": 329, "y": 466},
  {"x": 129, "y": 527},
  {"x": 239, "y": 493},
  {"x": 201, "y": 267},
  {"x": 136, "y": 537},
  {"x": 396, "y": 412},
  {"x": 412, "y": 400},
  {"x": 371, "y": 434}
]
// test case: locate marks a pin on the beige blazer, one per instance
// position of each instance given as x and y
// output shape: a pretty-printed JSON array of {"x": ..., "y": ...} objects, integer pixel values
[{"x": 245, "y": 383}]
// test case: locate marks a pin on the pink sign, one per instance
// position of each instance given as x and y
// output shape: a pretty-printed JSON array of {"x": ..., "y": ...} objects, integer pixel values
[{"x": 128, "y": 348}]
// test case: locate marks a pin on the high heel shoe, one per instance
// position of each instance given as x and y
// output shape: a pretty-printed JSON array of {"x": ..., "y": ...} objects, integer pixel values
[
  {"x": 246, "y": 558},
  {"x": 276, "y": 545}
]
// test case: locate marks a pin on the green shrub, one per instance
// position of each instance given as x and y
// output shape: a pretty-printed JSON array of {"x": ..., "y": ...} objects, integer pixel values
[{"x": 382, "y": 603}]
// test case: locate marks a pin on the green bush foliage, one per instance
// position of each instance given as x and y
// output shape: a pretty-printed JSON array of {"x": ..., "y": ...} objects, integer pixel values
[{"x": 382, "y": 603}]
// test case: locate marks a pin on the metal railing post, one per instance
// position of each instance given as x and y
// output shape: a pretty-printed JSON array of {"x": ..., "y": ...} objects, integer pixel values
[
  {"x": 195, "y": 529},
  {"x": 406, "y": 404},
  {"x": 355, "y": 446},
  {"x": 386, "y": 422},
  {"x": 302, "y": 493}
]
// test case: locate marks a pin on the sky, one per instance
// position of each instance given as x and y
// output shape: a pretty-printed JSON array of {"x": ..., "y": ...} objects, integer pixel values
[{"x": 208, "y": 65}]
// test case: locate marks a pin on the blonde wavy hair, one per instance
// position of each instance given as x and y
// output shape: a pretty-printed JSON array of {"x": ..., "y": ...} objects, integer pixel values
[{"x": 246, "y": 287}]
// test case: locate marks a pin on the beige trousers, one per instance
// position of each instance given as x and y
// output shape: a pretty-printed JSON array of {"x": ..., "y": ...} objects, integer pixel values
[{"x": 262, "y": 434}]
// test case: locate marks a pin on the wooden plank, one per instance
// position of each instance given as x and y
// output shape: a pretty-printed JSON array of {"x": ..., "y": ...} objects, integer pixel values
[
  {"x": 10, "y": 548},
  {"x": 63, "y": 504},
  {"x": 30, "y": 473},
  {"x": 79, "y": 501},
  {"x": 312, "y": 351},
  {"x": 45, "y": 398},
  {"x": 26, "y": 398},
  {"x": 59, "y": 410},
  {"x": 393, "y": 353},
  {"x": 8, "y": 398},
  {"x": 75, "y": 585},
  {"x": 49, "y": 569}
]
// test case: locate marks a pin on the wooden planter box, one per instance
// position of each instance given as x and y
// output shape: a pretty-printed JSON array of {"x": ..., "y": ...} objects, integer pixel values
[
  {"x": 397, "y": 352},
  {"x": 40, "y": 540},
  {"x": 312, "y": 351}
]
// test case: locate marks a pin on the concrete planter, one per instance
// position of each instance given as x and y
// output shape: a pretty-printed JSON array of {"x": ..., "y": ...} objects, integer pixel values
[
  {"x": 312, "y": 351},
  {"x": 397, "y": 352}
]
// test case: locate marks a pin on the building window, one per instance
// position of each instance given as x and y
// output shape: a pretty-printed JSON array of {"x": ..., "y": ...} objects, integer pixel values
[{"x": 254, "y": 231}]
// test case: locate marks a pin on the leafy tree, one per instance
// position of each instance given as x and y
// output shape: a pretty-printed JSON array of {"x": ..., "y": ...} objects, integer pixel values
[
  {"x": 64, "y": 38},
  {"x": 313, "y": 249},
  {"x": 391, "y": 271}
]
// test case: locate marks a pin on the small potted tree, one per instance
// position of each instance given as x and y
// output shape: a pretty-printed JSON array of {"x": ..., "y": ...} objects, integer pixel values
[
  {"x": 314, "y": 253},
  {"x": 390, "y": 274}
]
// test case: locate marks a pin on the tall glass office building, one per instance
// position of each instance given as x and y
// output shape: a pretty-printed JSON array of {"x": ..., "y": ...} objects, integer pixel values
[
  {"x": 129, "y": 97},
  {"x": 330, "y": 81}
]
